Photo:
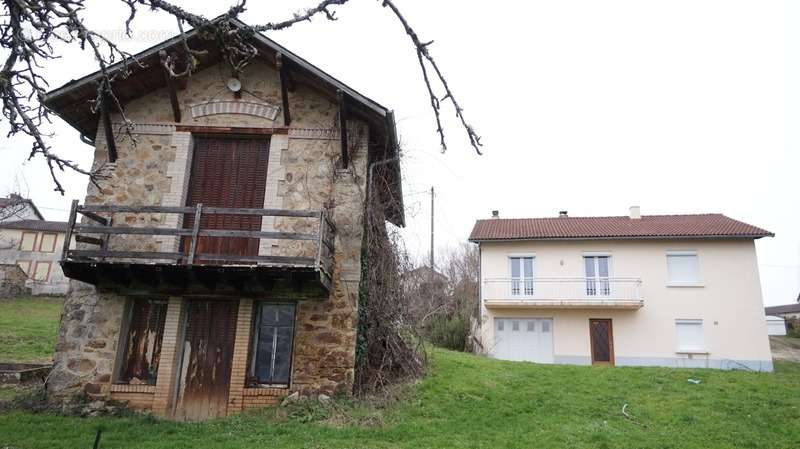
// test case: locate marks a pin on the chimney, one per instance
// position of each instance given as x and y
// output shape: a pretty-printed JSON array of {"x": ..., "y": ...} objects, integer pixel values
[
  {"x": 562, "y": 214},
  {"x": 636, "y": 213},
  {"x": 495, "y": 214}
]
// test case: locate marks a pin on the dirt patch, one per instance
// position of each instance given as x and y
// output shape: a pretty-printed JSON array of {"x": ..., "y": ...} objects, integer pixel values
[{"x": 785, "y": 348}]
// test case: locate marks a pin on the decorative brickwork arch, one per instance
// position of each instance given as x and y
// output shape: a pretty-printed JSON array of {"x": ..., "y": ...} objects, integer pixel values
[{"x": 265, "y": 110}]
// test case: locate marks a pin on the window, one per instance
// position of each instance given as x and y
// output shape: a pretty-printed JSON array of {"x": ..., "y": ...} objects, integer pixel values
[
  {"x": 42, "y": 271},
  {"x": 521, "y": 275},
  {"x": 596, "y": 268},
  {"x": 47, "y": 243},
  {"x": 142, "y": 347},
  {"x": 531, "y": 326},
  {"x": 515, "y": 325},
  {"x": 25, "y": 265},
  {"x": 545, "y": 326},
  {"x": 28, "y": 241},
  {"x": 500, "y": 325},
  {"x": 273, "y": 332},
  {"x": 683, "y": 268},
  {"x": 690, "y": 335}
]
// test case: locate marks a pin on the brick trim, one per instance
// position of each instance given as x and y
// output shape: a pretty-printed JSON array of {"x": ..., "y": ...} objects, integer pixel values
[
  {"x": 241, "y": 348},
  {"x": 156, "y": 129},
  {"x": 279, "y": 392},
  {"x": 165, "y": 384},
  {"x": 125, "y": 388},
  {"x": 264, "y": 110}
]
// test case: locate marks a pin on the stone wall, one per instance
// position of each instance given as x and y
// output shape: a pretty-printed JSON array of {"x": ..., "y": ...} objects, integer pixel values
[
  {"x": 302, "y": 174},
  {"x": 12, "y": 281},
  {"x": 87, "y": 341}
]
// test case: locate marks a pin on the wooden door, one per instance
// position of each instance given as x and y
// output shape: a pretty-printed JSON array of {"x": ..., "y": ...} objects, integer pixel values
[
  {"x": 227, "y": 172},
  {"x": 204, "y": 379},
  {"x": 601, "y": 335}
]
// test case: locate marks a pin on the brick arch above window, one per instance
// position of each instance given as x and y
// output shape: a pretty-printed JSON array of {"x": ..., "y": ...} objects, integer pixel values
[{"x": 264, "y": 110}]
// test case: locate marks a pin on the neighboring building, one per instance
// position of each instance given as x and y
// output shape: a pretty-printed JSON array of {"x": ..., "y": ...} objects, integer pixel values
[
  {"x": 785, "y": 311},
  {"x": 15, "y": 208},
  {"x": 426, "y": 291},
  {"x": 35, "y": 244},
  {"x": 220, "y": 263},
  {"x": 669, "y": 290},
  {"x": 776, "y": 325}
]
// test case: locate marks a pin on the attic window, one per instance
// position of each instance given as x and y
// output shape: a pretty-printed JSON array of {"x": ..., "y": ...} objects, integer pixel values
[{"x": 142, "y": 348}]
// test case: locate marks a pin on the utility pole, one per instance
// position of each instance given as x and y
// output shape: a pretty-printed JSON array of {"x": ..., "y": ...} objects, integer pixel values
[{"x": 432, "y": 195}]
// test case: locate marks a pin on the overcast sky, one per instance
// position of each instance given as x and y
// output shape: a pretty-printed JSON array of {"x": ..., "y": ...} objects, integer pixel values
[{"x": 585, "y": 106}]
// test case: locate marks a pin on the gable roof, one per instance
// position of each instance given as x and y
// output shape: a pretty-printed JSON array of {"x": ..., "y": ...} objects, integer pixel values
[
  {"x": 787, "y": 308},
  {"x": 71, "y": 101},
  {"x": 622, "y": 227},
  {"x": 36, "y": 225},
  {"x": 6, "y": 202}
]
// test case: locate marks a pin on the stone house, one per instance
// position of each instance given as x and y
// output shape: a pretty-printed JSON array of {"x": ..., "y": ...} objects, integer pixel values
[{"x": 218, "y": 267}]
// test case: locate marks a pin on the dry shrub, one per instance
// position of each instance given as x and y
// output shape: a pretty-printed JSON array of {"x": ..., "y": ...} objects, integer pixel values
[{"x": 388, "y": 349}]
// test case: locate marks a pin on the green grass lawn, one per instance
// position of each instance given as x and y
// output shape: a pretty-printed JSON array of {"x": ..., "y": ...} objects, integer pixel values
[
  {"x": 469, "y": 401},
  {"x": 28, "y": 328}
]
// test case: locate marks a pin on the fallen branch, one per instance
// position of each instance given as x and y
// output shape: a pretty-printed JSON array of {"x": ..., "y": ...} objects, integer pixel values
[{"x": 630, "y": 417}]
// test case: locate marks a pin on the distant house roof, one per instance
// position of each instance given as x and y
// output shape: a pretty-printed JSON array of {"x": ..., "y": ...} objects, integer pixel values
[
  {"x": 12, "y": 200},
  {"x": 36, "y": 225},
  {"x": 426, "y": 270},
  {"x": 788, "y": 308},
  {"x": 622, "y": 227}
]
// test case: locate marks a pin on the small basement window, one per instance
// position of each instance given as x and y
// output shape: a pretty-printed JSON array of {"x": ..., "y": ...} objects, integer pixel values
[
  {"x": 142, "y": 347},
  {"x": 271, "y": 353}
]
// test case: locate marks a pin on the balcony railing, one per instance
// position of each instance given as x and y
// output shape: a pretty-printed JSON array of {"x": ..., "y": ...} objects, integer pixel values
[
  {"x": 563, "y": 292},
  {"x": 106, "y": 242}
]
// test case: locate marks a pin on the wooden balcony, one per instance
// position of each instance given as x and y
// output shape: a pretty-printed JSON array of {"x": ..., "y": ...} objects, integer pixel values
[{"x": 111, "y": 256}]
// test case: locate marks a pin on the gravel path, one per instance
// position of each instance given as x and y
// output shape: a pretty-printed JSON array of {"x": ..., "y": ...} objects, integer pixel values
[{"x": 785, "y": 348}]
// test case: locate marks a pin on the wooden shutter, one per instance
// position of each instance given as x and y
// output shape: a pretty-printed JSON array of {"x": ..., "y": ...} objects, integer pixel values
[
  {"x": 143, "y": 346},
  {"x": 228, "y": 172},
  {"x": 207, "y": 359}
]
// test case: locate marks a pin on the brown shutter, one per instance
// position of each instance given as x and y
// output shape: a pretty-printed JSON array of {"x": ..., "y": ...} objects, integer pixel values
[
  {"x": 143, "y": 345},
  {"x": 228, "y": 172}
]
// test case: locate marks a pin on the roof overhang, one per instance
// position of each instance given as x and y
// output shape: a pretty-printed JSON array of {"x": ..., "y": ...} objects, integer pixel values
[
  {"x": 659, "y": 237},
  {"x": 71, "y": 101}
]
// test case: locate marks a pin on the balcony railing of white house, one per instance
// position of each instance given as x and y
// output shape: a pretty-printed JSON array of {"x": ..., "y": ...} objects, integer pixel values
[{"x": 563, "y": 292}]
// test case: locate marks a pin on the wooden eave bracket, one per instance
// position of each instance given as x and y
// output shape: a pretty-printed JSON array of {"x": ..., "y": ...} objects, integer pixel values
[
  {"x": 171, "y": 88},
  {"x": 108, "y": 130},
  {"x": 283, "y": 73},
  {"x": 343, "y": 128}
]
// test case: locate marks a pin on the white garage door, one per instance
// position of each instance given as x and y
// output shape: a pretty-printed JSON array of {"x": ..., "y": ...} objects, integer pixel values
[{"x": 524, "y": 339}]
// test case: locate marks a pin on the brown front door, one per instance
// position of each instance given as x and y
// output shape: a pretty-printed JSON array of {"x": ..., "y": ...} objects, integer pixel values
[
  {"x": 227, "y": 172},
  {"x": 601, "y": 335},
  {"x": 204, "y": 378}
]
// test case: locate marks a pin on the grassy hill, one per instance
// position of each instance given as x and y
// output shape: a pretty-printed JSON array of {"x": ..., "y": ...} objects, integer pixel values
[
  {"x": 28, "y": 328},
  {"x": 475, "y": 402}
]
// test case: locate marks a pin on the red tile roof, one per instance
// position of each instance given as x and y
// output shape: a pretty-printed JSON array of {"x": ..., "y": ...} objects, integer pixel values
[{"x": 648, "y": 227}]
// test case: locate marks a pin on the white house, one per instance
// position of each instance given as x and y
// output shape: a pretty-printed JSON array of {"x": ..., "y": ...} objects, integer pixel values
[
  {"x": 667, "y": 290},
  {"x": 33, "y": 243}
]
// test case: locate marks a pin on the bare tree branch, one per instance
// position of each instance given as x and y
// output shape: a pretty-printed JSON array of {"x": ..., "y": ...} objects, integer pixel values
[
  {"x": 29, "y": 28},
  {"x": 424, "y": 56}
]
